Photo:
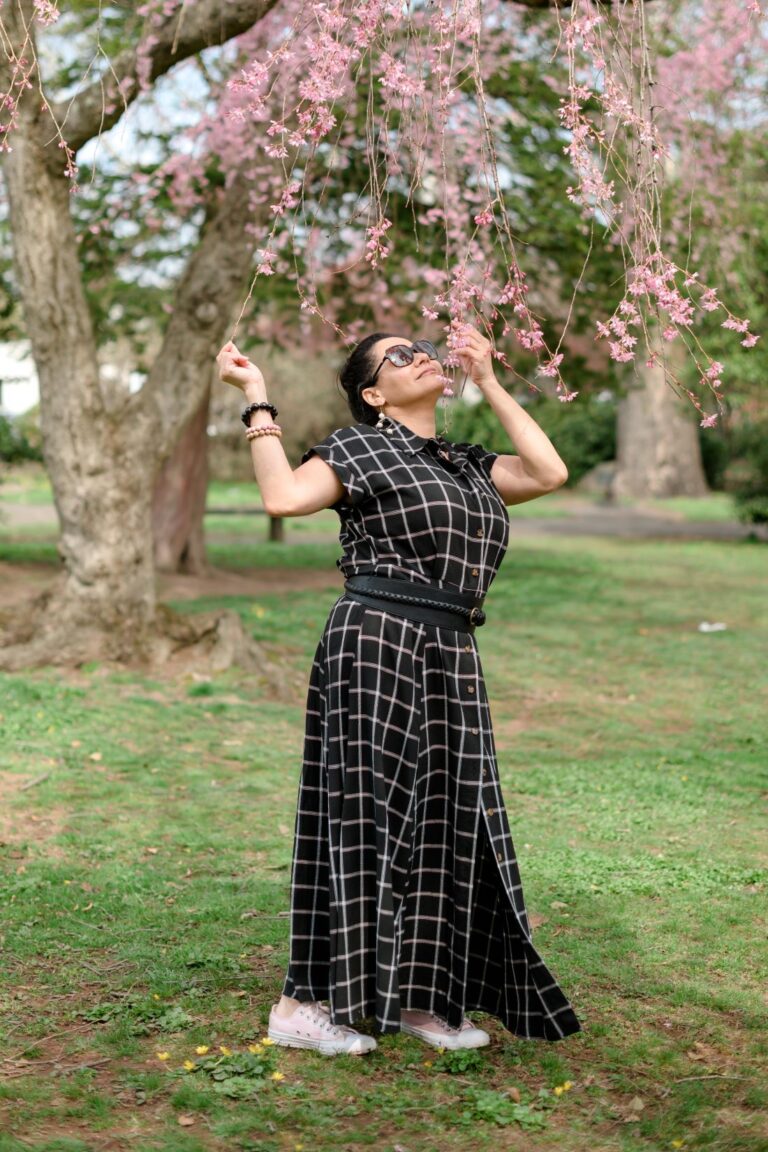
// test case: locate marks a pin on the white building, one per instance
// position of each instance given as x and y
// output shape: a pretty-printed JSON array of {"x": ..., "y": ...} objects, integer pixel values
[{"x": 18, "y": 379}]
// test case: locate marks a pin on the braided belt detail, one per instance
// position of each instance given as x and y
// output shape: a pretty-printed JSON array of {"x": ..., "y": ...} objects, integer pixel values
[{"x": 381, "y": 588}]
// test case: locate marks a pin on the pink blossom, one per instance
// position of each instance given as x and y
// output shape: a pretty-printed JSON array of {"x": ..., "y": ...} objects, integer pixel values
[
  {"x": 709, "y": 421},
  {"x": 750, "y": 340},
  {"x": 46, "y": 12},
  {"x": 550, "y": 368}
]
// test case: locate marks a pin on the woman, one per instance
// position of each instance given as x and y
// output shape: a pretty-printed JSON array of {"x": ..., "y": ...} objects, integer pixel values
[{"x": 406, "y": 901}]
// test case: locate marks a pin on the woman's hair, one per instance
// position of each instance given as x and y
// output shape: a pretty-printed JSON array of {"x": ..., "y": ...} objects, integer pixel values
[{"x": 356, "y": 373}]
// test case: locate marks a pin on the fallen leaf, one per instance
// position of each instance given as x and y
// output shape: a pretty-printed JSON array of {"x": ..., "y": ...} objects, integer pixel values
[
  {"x": 636, "y": 1104},
  {"x": 283, "y": 829},
  {"x": 514, "y": 1094},
  {"x": 185, "y": 1120},
  {"x": 95, "y": 756}
]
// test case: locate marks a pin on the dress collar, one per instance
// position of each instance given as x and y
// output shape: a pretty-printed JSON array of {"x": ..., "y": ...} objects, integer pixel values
[{"x": 411, "y": 442}]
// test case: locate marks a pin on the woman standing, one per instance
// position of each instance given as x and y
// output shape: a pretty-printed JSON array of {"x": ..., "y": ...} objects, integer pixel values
[{"x": 406, "y": 900}]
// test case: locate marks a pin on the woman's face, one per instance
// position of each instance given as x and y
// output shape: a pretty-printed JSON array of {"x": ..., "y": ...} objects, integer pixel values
[{"x": 401, "y": 386}]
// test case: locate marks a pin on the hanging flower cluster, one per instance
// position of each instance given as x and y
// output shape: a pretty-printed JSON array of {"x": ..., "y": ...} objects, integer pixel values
[{"x": 314, "y": 81}]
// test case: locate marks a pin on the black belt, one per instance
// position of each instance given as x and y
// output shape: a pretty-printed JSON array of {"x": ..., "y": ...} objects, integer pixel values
[{"x": 433, "y": 605}]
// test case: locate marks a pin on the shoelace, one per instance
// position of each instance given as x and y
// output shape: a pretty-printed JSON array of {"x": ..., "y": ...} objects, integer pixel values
[{"x": 321, "y": 1018}]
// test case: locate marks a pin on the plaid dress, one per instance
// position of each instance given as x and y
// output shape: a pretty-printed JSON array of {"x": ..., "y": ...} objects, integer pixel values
[{"x": 405, "y": 889}]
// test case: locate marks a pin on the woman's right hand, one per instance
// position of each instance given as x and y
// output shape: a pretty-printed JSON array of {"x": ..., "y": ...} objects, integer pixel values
[{"x": 236, "y": 369}]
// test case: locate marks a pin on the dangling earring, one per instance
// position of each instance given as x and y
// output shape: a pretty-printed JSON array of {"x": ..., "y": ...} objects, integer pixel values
[{"x": 382, "y": 420}]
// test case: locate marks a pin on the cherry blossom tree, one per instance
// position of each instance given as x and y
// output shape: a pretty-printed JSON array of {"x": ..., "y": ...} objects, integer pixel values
[{"x": 297, "y": 95}]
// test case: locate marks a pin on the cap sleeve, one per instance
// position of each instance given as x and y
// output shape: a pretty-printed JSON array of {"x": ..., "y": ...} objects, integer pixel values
[
  {"x": 346, "y": 454},
  {"x": 483, "y": 458}
]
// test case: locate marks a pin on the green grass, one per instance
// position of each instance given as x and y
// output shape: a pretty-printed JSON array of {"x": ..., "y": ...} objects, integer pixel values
[{"x": 145, "y": 877}]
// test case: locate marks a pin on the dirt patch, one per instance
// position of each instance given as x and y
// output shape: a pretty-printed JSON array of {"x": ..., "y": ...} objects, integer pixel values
[
  {"x": 18, "y": 826},
  {"x": 221, "y": 582},
  {"x": 19, "y": 583}
]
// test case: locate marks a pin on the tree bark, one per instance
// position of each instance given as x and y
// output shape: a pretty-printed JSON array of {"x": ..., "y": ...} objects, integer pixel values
[
  {"x": 658, "y": 451},
  {"x": 179, "y": 502}
]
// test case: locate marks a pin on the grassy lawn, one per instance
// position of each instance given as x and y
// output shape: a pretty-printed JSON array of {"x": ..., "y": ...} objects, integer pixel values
[{"x": 145, "y": 840}]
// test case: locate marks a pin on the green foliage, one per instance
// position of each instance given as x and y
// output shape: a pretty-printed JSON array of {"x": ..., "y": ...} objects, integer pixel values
[
  {"x": 459, "y": 1060},
  {"x": 583, "y": 432},
  {"x": 238, "y": 1075},
  {"x": 492, "y": 1107},
  {"x": 14, "y": 444},
  {"x": 143, "y": 1016},
  {"x": 748, "y": 474}
]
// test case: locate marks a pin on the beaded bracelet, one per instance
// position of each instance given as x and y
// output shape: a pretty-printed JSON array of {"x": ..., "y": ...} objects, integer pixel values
[
  {"x": 264, "y": 430},
  {"x": 246, "y": 413}
]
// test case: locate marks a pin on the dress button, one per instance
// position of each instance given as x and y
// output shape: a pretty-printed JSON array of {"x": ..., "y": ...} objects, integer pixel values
[
  {"x": 485, "y": 771},
  {"x": 491, "y": 811},
  {"x": 480, "y": 532},
  {"x": 499, "y": 857},
  {"x": 467, "y": 647},
  {"x": 475, "y": 731},
  {"x": 470, "y": 688},
  {"x": 475, "y": 571}
]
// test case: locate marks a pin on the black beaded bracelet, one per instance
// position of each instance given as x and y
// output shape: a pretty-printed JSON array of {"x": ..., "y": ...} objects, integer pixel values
[{"x": 246, "y": 414}]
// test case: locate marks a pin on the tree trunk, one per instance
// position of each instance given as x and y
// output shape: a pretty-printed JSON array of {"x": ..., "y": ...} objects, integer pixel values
[
  {"x": 103, "y": 452},
  {"x": 179, "y": 500},
  {"x": 658, "y": 451},
  {"x": 96, "y": 463}
]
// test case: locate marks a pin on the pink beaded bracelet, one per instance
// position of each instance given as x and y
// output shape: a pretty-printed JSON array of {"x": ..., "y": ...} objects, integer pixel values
[{"x": 264, "y": 430}]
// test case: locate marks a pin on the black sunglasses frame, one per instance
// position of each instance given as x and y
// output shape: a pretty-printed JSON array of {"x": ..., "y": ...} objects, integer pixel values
[{"x": 409, "y": 352}]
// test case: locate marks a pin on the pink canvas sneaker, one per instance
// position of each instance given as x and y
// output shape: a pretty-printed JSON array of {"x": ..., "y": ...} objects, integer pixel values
[
  {"x": 435, "y": 1031},
  {"x": 309, "y": 1026}
]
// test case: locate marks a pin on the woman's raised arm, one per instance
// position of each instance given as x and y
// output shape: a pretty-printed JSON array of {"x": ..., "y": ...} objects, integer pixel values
[{"x": 284, "y": 492}]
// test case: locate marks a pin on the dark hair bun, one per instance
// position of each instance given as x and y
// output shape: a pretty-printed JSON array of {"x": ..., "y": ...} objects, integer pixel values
[{"x": 355, "y": 374}]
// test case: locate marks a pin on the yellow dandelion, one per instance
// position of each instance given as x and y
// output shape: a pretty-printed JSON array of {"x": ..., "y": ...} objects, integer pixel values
[
  {"x": 277, "y": 1076},
  {"x": 266, "y": 1041},
  {"x": 298, "y": 1148},
  {"x": 567, "y": 1086},
  {"x": 163, "y": 1055},
  {"x": 189, "y": 1065},
  {"x": 427, "y": 1063},
  {"x": 224, "y": 1050},
  {"x": 677, "y": 1143},
  {"x": 559, "y": 1090},
  {"x": 202, "y": 1049},
  {"x": 155, "y": 996},
  {"x": 256, "y": 1049}
]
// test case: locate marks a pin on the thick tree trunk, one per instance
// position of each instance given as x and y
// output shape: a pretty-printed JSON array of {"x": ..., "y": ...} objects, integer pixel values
[
  {"x": 179, "y": 501},
  {"x": 97, "y": 464},
  {"x": 658, "y": 451},
  {"x": 102, "y": 451}
]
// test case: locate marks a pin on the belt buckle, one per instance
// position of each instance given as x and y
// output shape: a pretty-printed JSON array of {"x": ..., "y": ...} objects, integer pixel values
[{"x": 477, "y": 617}]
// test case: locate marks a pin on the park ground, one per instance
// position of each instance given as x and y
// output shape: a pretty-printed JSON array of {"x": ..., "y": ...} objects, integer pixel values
[{"x": 145, "y": 839}]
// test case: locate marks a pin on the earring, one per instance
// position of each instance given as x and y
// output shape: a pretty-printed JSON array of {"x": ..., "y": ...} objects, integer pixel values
[{"x": 382, "y": 420}]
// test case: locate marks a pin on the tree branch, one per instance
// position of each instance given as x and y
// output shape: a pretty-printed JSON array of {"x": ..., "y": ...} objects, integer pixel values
[{"x": 194, "y": 27}]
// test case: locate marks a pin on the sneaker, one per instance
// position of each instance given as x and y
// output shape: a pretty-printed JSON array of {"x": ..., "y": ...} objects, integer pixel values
[
  {"x": 309, "y": 1026},
  {"x": 435, "y": 1031}
]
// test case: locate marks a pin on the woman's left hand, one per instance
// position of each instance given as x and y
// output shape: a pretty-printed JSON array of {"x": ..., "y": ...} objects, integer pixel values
[{"x": 476, "y": 356}]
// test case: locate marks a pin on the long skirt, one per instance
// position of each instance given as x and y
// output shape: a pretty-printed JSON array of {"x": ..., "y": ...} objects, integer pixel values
[{"x": 405, "y": 888}]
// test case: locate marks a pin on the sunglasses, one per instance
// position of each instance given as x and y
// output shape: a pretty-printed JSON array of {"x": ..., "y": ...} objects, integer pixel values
[{"x": 401, "y": 354}]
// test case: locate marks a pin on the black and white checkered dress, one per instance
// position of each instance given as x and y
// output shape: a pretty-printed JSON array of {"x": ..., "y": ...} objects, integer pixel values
[{"x": 405, "y": 889}]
